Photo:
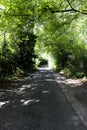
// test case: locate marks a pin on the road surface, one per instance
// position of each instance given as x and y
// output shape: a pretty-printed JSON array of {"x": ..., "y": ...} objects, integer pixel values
[{"x": 37, "y": 103}]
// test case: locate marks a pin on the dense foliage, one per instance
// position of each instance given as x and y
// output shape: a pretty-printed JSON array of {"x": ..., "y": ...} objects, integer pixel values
[
  {"x": 53, "y": 29},
  {"x": 62, "y": 36},
  {"x": 17, "y": 38}
]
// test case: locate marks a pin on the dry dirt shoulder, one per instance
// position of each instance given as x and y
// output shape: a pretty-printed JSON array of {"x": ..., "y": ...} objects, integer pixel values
[{"x": 75, "y": 91}]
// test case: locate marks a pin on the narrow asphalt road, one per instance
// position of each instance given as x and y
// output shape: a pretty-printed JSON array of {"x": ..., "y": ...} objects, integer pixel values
[{"x": 37, "y": 103}]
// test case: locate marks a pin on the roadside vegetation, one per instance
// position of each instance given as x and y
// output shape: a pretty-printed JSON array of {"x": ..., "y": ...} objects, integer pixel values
[{"x": 33, "y": 33}]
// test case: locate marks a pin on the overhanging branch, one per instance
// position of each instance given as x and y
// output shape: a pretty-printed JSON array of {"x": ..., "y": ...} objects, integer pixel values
[{"x": 71, "y": 10}]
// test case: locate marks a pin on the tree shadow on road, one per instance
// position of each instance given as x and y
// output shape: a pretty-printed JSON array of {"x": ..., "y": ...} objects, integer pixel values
[
  {"x": 36, "y": 103},
  {"x": 26, "y": 98}
]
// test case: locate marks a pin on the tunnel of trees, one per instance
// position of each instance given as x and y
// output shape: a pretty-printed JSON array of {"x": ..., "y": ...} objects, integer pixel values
[{"x": 54, "y": 30}]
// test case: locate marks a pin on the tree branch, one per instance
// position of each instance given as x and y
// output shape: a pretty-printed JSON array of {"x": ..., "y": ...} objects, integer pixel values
[
  {"x": 65, "y": 10},
  {"x": 82, "y": 12},
  {"x": 69, "y": 4}
]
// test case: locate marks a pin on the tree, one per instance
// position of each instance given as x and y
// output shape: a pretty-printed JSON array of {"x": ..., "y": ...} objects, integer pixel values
[
  {"x": 60, "y": 28},
  {"x": 18, "y": 20}
]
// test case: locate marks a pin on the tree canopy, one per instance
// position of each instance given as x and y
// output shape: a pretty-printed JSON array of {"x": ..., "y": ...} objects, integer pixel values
[{"x": 52, "y": 29}]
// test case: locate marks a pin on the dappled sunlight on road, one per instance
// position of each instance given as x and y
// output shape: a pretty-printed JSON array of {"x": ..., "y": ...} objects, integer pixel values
[
  {"x": 25, "y": 91},
  {"x": 36, "y": 102},
  {"x": 3, "y": 103},
  {"x": 69, "y": 81},
  {"x": 44, "y": 67},
  {"x": 27, "y": 102},
  {"x": 75, "y": 82},
  {"x": 22, "y": 88},
  {"x": 45, "y": 91}
]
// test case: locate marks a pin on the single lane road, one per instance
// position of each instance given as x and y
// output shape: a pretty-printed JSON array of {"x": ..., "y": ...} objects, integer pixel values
[{"x": 37, "y": 103}]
